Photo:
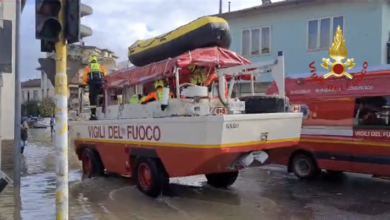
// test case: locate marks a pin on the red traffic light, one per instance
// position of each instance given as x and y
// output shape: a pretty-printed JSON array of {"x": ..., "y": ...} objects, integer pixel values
[
  {"x": 48, "y": 7},
  {"x": 47, "y": 25}
]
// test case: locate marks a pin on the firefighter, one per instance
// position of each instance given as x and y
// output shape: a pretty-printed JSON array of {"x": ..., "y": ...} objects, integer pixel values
[
  {"x": 93, "y": 76},
  {"x": 198, "y": 78},
  {"x": 134, "y": 99},
  {"x": 156, "y": 95}
]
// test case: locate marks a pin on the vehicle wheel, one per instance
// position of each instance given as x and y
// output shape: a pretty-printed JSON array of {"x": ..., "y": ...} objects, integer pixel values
[
  {"x": 150, "y": 176},
  {"x": 92, "y": 164},
  {"x": 222, "y": 180},
  {"x": 304, "y": 166}
]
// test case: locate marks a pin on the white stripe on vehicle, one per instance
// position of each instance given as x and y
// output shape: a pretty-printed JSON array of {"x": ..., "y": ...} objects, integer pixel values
[{"x": 327, "y": 131}]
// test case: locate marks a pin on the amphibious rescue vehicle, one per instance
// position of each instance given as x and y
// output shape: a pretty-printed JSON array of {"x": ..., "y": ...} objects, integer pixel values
[{"x": 202, "y": 129}]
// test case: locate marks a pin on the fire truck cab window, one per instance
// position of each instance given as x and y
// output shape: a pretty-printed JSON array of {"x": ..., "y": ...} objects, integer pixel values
[{"x": 372, "y": 111}]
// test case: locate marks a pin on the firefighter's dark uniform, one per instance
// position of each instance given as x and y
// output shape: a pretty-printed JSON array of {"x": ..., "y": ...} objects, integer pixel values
[
  {"x": 157, "y": 95},
  {"x": 93, "y": 76}
]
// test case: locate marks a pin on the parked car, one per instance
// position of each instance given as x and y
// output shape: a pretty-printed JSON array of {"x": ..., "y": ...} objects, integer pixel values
[
  {"x": 31, "y": 121},
  {"x": 41, "y": 123}
]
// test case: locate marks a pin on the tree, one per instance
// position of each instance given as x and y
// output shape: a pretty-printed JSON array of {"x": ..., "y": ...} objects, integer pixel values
[
  {"x": 30, "y": 108},
  {"x": 47, "y": 107}
]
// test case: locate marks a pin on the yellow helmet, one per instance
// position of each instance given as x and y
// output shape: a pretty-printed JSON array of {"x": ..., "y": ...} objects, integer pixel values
[
  {"x": 93, "y": 58},
  {"x": 158, "y": 83}
]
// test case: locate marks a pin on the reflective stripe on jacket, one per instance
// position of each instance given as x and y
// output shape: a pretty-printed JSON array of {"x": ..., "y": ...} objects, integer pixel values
[
  {"x": 134, "y": 99},
  {"x": 157, "y": 95}
]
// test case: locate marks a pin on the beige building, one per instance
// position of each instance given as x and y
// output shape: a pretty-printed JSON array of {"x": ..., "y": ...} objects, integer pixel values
[
  {"x": 7, "y": 81},
  {"x": 31, "y": 90},
  {"x": 47, "y": 87}
]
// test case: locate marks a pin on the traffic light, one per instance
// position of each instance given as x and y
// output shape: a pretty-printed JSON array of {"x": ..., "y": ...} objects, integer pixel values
[
  {"x": 74, "y": 30},
  {"x": 48, "y": 26}
]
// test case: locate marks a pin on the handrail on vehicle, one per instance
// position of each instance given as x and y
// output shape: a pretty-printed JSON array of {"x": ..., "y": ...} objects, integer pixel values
[{"x": 276, "y": 67}]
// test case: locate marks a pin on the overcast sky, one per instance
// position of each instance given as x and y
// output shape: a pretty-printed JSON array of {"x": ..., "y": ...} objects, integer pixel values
[{"x": 117, "y": 24}]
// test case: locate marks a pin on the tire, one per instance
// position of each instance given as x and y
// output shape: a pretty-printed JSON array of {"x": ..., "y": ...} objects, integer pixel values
[
  {"x": 263, "y": 104},
  {"x": 158, "y": 178},
  {"x": 92, "y": 164},
  {"x": 222, "y": 180},
  {"x": 310, "y": 170}
]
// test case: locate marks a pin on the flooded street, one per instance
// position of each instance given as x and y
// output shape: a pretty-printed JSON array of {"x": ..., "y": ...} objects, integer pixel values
[{"x": 267, "y": 193}]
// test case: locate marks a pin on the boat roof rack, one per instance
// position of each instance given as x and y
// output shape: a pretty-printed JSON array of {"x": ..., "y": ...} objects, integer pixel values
[{"x": 276, "y": 67}]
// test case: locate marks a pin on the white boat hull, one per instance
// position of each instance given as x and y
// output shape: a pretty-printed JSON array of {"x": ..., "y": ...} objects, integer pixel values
[{"x": 197, "y": 132}]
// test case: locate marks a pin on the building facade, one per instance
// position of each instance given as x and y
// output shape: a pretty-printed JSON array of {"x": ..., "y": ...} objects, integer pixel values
[
  {"x": 7, "y": 81},
  {"x": 304, "y": 31},
  {"x": 31, "y": 90}
]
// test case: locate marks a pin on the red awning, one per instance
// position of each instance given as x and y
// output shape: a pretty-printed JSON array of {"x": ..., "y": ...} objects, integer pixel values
[
  {"x": 211, "y": 57},
  {"x": 208, "y": 57},
  {"x": 134, "y": 75}
]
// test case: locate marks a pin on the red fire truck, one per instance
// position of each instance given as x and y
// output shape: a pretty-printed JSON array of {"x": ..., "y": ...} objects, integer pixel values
[{"x": 346, "y": 124}]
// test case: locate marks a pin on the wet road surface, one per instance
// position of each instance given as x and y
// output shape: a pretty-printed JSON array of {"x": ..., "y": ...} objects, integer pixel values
[{"x": 267, "y": 193}]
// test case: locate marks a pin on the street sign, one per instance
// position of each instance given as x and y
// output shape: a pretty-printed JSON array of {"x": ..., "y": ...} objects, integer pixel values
[{"x": 49, "y": 67}]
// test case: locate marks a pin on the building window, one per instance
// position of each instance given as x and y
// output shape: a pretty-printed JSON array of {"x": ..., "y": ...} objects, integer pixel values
[
  {"x": 256, "y": 41},
  {"x": 320, "y": 32},
  {"x": 6, "y": 42},
  {"x": 35, "y": 94},
  {"x": 372, "y": 112},
  {"x": 23, "y": 96},
  {"x": 74, "y": 93}
]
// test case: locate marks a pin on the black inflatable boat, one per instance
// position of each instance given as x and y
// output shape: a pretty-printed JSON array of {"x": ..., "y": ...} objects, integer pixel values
[{"x": 203, "y": 32}]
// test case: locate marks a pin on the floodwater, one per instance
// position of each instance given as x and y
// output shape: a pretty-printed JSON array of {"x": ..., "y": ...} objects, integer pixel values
[{"x": 263, "y": 193}]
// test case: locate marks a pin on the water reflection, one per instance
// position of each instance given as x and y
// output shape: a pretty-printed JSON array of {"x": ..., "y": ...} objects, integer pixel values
[{"x": 257, "y": 194}]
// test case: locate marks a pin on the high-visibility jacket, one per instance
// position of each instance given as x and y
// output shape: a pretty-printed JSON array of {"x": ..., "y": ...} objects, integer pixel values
[
  {"x": 198, "y": 78},
  {"x": 94, "y": 72},
  {"x": 157, "y": 95},
  {"x": 134, "y": 99}
]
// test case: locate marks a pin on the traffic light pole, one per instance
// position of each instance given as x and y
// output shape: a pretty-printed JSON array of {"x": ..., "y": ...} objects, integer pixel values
[
  {"x": 61, "y": 125},
  {"x": 17, "y": 122}
]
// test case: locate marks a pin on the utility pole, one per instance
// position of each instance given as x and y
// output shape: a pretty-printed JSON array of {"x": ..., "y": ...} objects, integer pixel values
[
  {"x": 58, "y": 23},
  {"x": 61, "y": 125},
  {"x": 18, "y": 115},
  {"x": 50, "y": 30},
  {"x": 220, "y": 6},
  {"x": 17, "y": 122}
]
